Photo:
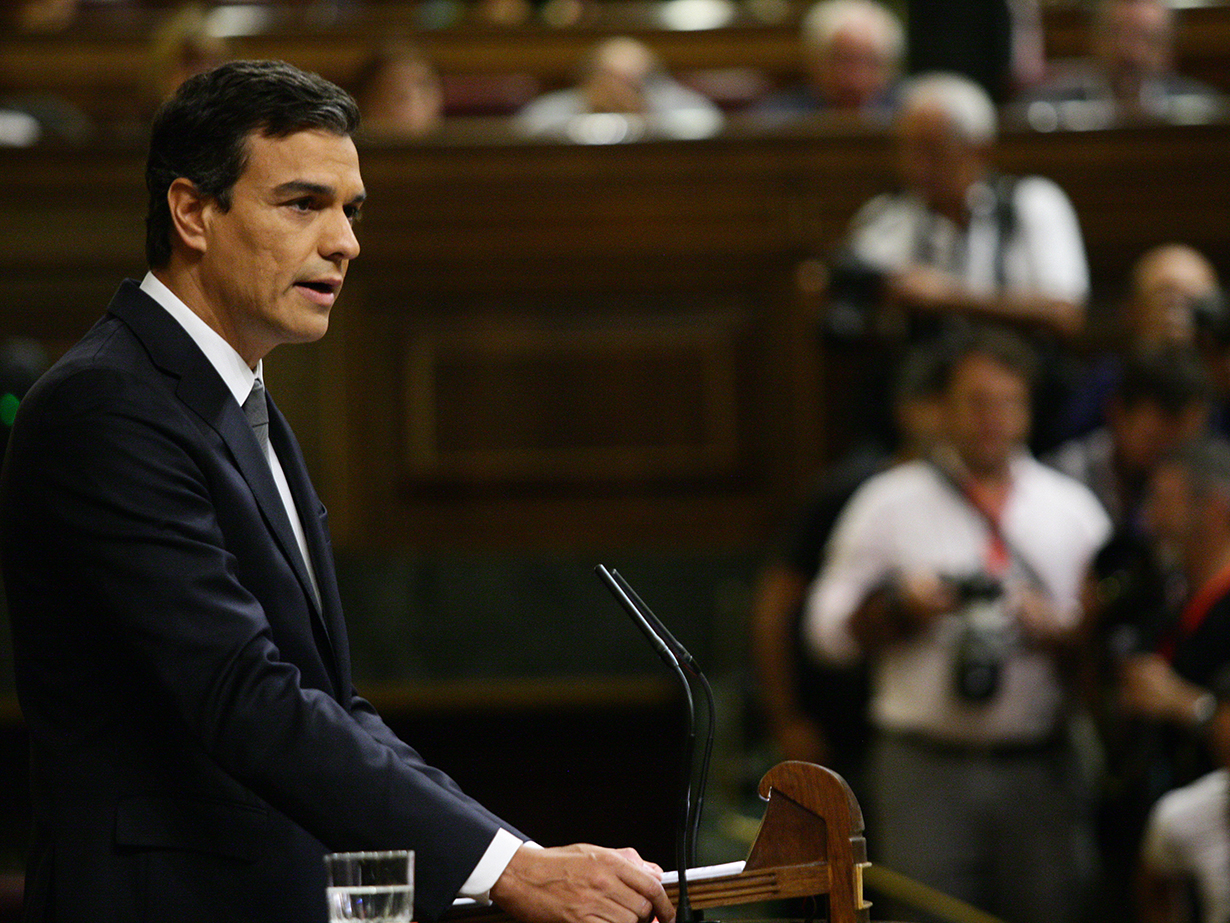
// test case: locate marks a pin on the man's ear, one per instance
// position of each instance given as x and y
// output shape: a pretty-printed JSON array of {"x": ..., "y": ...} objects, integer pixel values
[{"x": 189, "y": 213}]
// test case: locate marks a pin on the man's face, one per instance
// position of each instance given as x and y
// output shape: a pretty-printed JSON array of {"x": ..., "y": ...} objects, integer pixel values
[
  {"x": 987, "y": 409},
  {"x": 1165, "y": 290},
  {"x": 406, "y": 98},
  {"x": 274, "y": 262},
  {"x": 1134, "y": 43},
  {"x": 616, "y": 81},
  {"x": 1146, "y": 432},
  {"x": 934, "y": 162},
  {"x": 854, "y": 71}
]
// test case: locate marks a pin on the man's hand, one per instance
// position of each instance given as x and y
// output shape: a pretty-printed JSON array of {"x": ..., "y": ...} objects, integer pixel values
[
  {"x": 1039, "y": 619},
  {"x": 901, "y": 608},
  {"x": 582, "y": 884},
  {"x": 924, "y": 596},
  {"x": 925, "y": 288},
  {"x": 1152, "y": 688}
]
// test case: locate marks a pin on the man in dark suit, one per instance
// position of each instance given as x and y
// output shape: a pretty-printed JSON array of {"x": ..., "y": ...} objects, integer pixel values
[{"x": 181, "y": 656}]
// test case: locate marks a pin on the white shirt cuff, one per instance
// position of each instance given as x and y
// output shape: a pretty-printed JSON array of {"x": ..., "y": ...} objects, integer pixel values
[{"x": 491, "y": 866}]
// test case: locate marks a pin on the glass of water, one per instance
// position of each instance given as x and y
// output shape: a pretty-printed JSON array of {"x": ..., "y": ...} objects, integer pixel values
[{"x": 376, "y": 886}]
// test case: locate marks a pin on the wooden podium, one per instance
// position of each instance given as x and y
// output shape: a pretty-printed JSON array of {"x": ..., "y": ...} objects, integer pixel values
[{"x": 810, "y": 843}]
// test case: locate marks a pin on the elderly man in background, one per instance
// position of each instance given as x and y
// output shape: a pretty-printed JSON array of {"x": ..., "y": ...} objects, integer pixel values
[
  {"x": 852, "y": 52},
  {"x": 623, "y": 92},
  {"x": 1129, "y": 73},
  {"x": 957, "y": 578},
  {"x": 960, "y": 240}
]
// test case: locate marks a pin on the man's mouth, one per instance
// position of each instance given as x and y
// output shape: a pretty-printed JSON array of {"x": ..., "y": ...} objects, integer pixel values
[{"x": 320, "y": 291}]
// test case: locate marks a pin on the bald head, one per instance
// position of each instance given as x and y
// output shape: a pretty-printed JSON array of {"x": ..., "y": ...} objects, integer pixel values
[{"x": 1166, "y": 282}]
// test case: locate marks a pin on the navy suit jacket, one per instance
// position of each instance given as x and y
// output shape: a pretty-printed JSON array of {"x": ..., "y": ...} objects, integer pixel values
[{"x": 196, "y": 742}]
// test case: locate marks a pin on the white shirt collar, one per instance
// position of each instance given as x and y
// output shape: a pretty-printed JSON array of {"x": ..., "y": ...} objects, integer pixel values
[{"x": 221, "y": 355}]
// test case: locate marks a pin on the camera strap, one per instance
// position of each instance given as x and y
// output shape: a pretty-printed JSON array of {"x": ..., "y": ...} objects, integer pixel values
[{"x": 1002, "y": 549}]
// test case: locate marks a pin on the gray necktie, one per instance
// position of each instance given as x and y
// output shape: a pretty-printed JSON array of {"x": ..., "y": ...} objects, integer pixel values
[{"x": 258, "y": 415}]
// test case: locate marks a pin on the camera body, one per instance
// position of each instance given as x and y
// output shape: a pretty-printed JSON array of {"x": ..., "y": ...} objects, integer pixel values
[{"x": 986, "y": 637}]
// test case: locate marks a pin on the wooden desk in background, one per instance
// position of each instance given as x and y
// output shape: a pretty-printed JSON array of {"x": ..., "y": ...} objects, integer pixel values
[{"x": 98, "y": 64}]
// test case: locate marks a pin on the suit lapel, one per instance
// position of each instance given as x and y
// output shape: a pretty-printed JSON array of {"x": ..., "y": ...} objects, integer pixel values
[
  {"x": 202, "y": 389},
  {"x": 316, "y": 533}
]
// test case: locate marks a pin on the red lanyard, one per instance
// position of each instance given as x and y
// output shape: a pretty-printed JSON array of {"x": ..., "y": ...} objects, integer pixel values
[
  {"x": 991, "y": 507},
  {"x": 1196, "y": 611}
]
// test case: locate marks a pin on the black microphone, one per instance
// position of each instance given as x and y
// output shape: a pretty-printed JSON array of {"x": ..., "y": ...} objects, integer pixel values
[
  {"x": 689, "y": 663},
  {"x": 685, "y": 845}
]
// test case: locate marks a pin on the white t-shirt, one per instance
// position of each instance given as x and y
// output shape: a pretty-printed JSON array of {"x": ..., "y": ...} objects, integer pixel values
[
  {"x": 1188, "y": 834},
  {"x": 1044, "y": 253},
  {"x": 911, "y": 518}
]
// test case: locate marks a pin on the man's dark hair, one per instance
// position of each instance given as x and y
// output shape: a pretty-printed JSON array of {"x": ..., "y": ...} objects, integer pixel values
[
  {"x": 201, "y": 133},
  {"x": 919, "y": 376},
  {"x": 1172, "y": 377},
  {"x": 1001, "y": 346}
]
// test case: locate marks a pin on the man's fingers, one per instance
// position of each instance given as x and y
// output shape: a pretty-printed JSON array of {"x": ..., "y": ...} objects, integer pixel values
[
  {"x": 645, "y": 880},
  {"x": 649, "y": 885},
  {"x": 582, "y": 884}
]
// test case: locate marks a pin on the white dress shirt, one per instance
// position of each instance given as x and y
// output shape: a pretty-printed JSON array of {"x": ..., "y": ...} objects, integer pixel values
[
  {"x": 1044, "y": 255},
  {"x": 910, "y": 518},
  {"x": 239, "y": 378}
]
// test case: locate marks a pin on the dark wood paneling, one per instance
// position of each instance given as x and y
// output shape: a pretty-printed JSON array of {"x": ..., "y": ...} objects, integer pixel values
[{"x": 548, "y": 346}]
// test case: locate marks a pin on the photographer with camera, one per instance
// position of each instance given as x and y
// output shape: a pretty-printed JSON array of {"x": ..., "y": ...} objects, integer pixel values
[
  {"x": 1181, "y": 682},
  {"x": 1174, "y": 302},
  {"x": 958, "y": 579}
]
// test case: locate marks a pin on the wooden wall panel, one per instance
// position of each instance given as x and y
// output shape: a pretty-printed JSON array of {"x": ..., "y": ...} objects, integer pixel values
[
  {"x": 547, "y": 346},
  {"x": 524, "y": 403}
]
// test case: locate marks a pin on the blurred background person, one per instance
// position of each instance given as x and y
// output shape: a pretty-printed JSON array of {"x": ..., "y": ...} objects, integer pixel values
[
  {"x": 852, "y": 54},
  {"x": 30, "y": 115},
  {"x": 1174, "y": 300},
  {"x": 1180, "y": 680},
  {"x": 814, "y": 713},
  {"x": 1130, "y": 72},
  {"x": 42, "y": 16},
  {"x": 1171, "y": 285},
  {"x": 960, "y": 242},
  {"x": 1160, "y": 401},
  {"x": 621, "y": 77},
  {"x": 184, "y": 43},
  {"x": 399, "y": 93},
  {"x": 1159, "y": 404},
  {"x": 1186, "y": 848},
  {"x": 957, "y": 579}
]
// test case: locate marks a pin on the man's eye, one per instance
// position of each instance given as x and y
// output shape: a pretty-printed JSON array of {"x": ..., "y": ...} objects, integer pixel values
[
  {"x": 354, "y": 213},
  {"x": 301, "y": 205}
]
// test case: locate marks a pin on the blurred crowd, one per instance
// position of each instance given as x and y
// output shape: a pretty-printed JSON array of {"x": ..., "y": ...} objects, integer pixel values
[
  {"x": 852, "y": 57},
  {"x": 1004, "y": 616}
]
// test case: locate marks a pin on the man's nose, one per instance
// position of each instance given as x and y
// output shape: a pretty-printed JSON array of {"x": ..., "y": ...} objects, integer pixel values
[{"x": 340, "y": 241}]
